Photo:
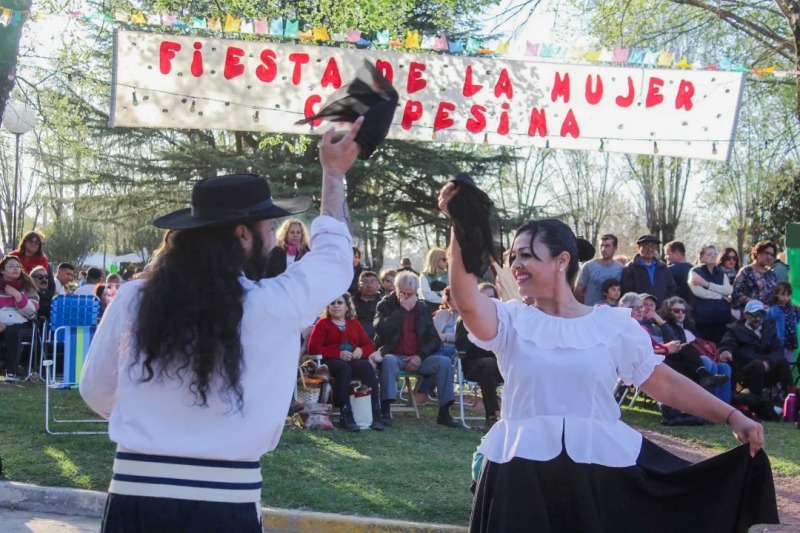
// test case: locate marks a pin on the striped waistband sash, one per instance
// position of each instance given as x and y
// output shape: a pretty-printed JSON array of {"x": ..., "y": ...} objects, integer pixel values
[{"x": 184, "y": 478}]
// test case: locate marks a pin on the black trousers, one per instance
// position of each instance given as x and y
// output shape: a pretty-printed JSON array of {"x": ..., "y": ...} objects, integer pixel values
[
  {"x": 12, "y": 352},
  {"x": 685, "y": 362},
  {"x": 343, "y": 372},
  {"x": 755, "y": 377},
  {"x": 142, "y": 514},
  {"x": 486, "y": 373}
]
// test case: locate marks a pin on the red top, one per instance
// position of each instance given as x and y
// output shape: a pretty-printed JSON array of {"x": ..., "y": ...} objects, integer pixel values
[
  {"x": 408, "y": 344},
  {"x": 29, "y": 263},
  {"x": 326, "y": 338}
]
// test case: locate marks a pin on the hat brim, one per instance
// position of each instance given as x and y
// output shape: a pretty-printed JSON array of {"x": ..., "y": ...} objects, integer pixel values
[{"x": 183, "y": 219}]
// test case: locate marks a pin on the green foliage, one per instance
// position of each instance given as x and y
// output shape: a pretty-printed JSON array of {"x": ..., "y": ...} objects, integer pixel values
[{"x": 71, "y": 240}]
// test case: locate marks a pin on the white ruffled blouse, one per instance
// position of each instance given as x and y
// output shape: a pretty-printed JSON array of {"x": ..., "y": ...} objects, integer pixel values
[{"x": 559, "y": 378}]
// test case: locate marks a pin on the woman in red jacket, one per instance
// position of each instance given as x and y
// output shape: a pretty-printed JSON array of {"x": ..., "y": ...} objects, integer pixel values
[
  {"x": 341, "y": 340},
  {"x": 30, "y": 252}
]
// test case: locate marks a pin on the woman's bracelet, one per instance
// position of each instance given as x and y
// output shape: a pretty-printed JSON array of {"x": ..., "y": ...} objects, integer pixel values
[{"x": 728, "y": 419}]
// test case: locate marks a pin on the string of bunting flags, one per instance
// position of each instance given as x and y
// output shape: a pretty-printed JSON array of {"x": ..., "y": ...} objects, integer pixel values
[{"x": 288, "y": 29}]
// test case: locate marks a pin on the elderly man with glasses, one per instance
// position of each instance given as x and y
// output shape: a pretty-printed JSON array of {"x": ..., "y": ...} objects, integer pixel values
[{"x": 752, "y": 346}]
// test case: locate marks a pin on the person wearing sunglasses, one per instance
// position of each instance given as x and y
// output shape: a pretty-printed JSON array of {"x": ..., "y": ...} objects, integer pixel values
[
  {"x": 755, "y": 351},
  {"x": 345, "y": 347},
  {"x": 678, "y": 325},
  {"x": 756, "y": 281},
  {"x": 19, "y": 303},
  {"x": 728, "y": 262},
  {"x": 30, "y": 252},
  {"x": 41, "y": 281}
]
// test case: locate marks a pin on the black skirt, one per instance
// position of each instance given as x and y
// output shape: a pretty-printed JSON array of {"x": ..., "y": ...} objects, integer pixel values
[{"x": 661, "y": 493}]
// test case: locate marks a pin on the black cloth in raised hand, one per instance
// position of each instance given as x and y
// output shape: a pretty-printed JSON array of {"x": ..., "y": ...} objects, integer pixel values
[
  {"x": 369, "y": 95},
  {"x": 473, "y": 222}
]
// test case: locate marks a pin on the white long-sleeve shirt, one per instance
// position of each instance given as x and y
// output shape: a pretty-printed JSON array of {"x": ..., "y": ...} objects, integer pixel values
[{"x": 160, "y": 417}]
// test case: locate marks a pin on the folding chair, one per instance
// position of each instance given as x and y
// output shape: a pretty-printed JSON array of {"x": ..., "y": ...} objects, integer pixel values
[
  {"x": 73, "y": 319},
  {"x": 31, "y": 340},
  {"x": 621, "y": 393},
  {"x": 411, "y": 402},
  {"x": 461, "y": 385}
]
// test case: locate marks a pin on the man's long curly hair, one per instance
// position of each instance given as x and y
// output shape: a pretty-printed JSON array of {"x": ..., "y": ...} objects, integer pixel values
[{"x": 190, "y": 313}]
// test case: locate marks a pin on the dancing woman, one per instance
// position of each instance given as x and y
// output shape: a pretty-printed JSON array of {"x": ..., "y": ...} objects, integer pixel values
[{"x": 559, "y": 458}]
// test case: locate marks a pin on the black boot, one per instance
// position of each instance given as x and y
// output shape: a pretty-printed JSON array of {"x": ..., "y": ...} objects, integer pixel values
[
  {"x": 346, "y": 420},
  {"x": 710, "y": 381},
  {"x": 386, "y": 412},
  {"x": 377, "y": 420},
  {"x": 445, "y": 418}
]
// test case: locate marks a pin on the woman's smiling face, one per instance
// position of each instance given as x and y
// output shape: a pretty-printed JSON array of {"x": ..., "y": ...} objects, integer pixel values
[{"x": 533, "y": 268}]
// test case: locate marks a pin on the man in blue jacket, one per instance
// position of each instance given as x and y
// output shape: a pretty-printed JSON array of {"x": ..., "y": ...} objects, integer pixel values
[{"x": 647, "y": 273}]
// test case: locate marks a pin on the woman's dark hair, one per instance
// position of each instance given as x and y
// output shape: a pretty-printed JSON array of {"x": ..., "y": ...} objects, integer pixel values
[
  {"x": 29, "y": 236},
  {"x": 487, "y": 285},
  {"x": 760, "y": 246},
  {"x": 726, "y": 252},
  {"x": 666, "y": 312},
  {"x": 189, "y": 317},
  {"x": 781, "y": 287},
  {"x": 557, "y": 237},
  {"x": 27, "y": 282}
]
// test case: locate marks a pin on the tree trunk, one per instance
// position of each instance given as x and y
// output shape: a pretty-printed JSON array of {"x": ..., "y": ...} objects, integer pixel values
[{"x": 9, "y": 50}]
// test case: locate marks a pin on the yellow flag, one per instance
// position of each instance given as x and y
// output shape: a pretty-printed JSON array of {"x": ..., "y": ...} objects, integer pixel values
[
  {"x": 412, "y": 39},
  {"x": 320, "y": 33},
  {"x": 592, "y": 55},
  {"x": 232, "y": 24},
  {"x": 683, "y": 63},
  {"x": 502, "y": 49},
  {"x": 138, "y": 18}
]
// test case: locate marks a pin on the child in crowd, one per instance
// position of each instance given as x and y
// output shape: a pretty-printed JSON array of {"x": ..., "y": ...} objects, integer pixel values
[
  {"x": 611, "y": 292},
  {"x": 786, "y": 317}
]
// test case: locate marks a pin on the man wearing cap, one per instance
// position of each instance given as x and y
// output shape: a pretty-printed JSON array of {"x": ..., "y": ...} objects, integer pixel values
[
  {"x": 195, "y": 367},
  {"x": 646, "y": 273},
  {"x": 755, "y": 351}
]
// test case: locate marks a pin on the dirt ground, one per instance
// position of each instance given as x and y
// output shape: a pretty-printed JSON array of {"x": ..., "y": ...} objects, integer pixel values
[{"x": 787, "y": 489}]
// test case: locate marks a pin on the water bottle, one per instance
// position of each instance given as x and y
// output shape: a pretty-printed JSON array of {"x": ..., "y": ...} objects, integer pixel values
[{"x": 790, "y": 408}]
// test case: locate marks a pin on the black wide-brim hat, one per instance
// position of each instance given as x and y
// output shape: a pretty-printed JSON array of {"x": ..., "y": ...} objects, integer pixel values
[{"x": 235, "y": 198}]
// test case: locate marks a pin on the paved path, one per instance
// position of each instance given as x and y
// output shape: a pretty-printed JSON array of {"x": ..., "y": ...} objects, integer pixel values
[{"x": 32, "y": 522}]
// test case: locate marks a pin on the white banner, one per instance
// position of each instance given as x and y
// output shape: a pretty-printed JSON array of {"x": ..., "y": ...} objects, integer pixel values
[{"x": 168, "y": 81}]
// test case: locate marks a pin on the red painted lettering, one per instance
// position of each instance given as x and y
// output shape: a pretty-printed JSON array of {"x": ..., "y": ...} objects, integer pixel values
[
  {"x": 570, "y": 126},
  {"x": 166, "y": 54},
  {"x": 504, "y": 86},
  {"x": 385, "y": 68},
  {"x": 654, "y": 96},
  {"x": 626, "y": 101},
  {"x": 269, "y": 69},
  {"x": 477, "y": 123},
  {"x": 309, "y": 111},
  {"x": 470, "y": 88},
  {"x": 538, "y": 123},
  {"x": 411, "y": 113},
  {"x": 443, "y": 120},
  {"x": 560, "y": 88},
  {"x": 197, "y": 61},
  {"x": 502, "y": 126},
  {"x": 684, "y": 97},
  {"x": 331, "y": 75},
  {"x": 415, "y": 79},
  {"x": 594, "y": 95},
  {"x": 233, "y": 67},
  {"x": 299, "y": 60}
]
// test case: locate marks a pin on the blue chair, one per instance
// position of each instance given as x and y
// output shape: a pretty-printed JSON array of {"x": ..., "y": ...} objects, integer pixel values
[{"x": 73, "y": 321}]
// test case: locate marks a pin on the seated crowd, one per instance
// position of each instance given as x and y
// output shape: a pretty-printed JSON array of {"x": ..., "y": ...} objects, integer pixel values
[{"x": 28, "y": 286}]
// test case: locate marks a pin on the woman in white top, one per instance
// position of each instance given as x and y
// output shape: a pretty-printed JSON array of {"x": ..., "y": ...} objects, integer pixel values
[{"x": 559, "y": 458}]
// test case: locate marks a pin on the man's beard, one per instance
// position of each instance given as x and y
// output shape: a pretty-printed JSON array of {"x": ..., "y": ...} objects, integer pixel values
[{"x": 255, "y": 266}]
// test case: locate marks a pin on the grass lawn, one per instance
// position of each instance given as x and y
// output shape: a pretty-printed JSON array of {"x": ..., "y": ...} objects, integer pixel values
[{"x": 415, "y": 470}]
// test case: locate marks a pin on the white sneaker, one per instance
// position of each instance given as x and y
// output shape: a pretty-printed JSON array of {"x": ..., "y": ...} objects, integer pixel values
[{"x": 11, "y": 378}]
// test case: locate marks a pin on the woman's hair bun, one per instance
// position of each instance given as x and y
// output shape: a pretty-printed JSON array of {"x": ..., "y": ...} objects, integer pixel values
[{"x": 586, "y": 250}]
